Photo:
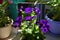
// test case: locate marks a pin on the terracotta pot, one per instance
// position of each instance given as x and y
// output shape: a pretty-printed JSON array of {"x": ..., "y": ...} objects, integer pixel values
[{"x": 5, "y": 31}]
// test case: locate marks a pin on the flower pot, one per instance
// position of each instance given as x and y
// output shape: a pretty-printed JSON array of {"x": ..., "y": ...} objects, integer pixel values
[
  {"x": 54, "y": 25},
  {"x": 5, "y": 31}
]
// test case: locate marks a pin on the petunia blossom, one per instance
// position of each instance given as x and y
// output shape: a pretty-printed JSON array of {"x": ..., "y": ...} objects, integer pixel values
[
  {"x": 18, "y": 19},
  {"x": 44, "y": 29},
  {"x": 28, "y": 18},
  {"x": 28, "y": 10},
  {"x": 43, "y": 21},
  {"x": 16, "y": 24},
  {"x": 37, "y": 10},
  {"x": 44, "y": 25}
]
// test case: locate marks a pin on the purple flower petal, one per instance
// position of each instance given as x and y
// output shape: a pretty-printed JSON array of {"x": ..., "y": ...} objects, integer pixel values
[
  {"x": 28, "y": 18},
  {"x": 18, "y": 19},
  {"x": 28, "y": 10},
  {"x": 44, "y": 29},
  {"x": 43, "y": 21},
  {"x": 33, "y": 9},
  {"x": 47, "y": 25},
  {"x": 16, "y": 24},
  {"x": 40, "y": 25},
  {"x": 44, "y": 25},
  {"x": 37, "y": 11}
]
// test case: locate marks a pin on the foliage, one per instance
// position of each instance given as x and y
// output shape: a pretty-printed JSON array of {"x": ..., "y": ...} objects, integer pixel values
[
  {"x": 31, "y": 31},
  {"x": 4, "y": 19},
  {"x": 54, "y": 8},
  {"x": 27, "y": 22}
]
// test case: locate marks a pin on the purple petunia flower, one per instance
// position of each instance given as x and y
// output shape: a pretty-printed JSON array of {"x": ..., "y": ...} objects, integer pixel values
[
  {"x": 28, "y": 10},
  {"x": 43, "y": 21},
  {"x": 18, "y": 19},
  {"x": 44, "y": 25},
  {"x": 44, "y": 29},
  {"x": 47, "y": 25},
  {"x": 16, "y": 24},
  {"x": 40, "y": 25},
  {"x": 28, "y": 18},
  {"x": 37, "y": 10},
  {"x": 33, "y": 9}
]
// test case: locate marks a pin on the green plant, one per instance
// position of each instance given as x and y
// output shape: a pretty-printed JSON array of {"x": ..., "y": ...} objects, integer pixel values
[
  {"x": 32, "y": 31},
  {"x": 4, "y": 19},
  {"x": 29, "y": 29},
  {"x": 54, "y": 10}
]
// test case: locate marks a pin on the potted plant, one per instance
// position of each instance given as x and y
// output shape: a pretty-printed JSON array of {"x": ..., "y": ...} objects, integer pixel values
[
  {"x": 5, "y": 22},
  {"x": 53, "y": 17},
  {"x": 31, "y": 31},
  {"x": 27, "y": 22}
]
